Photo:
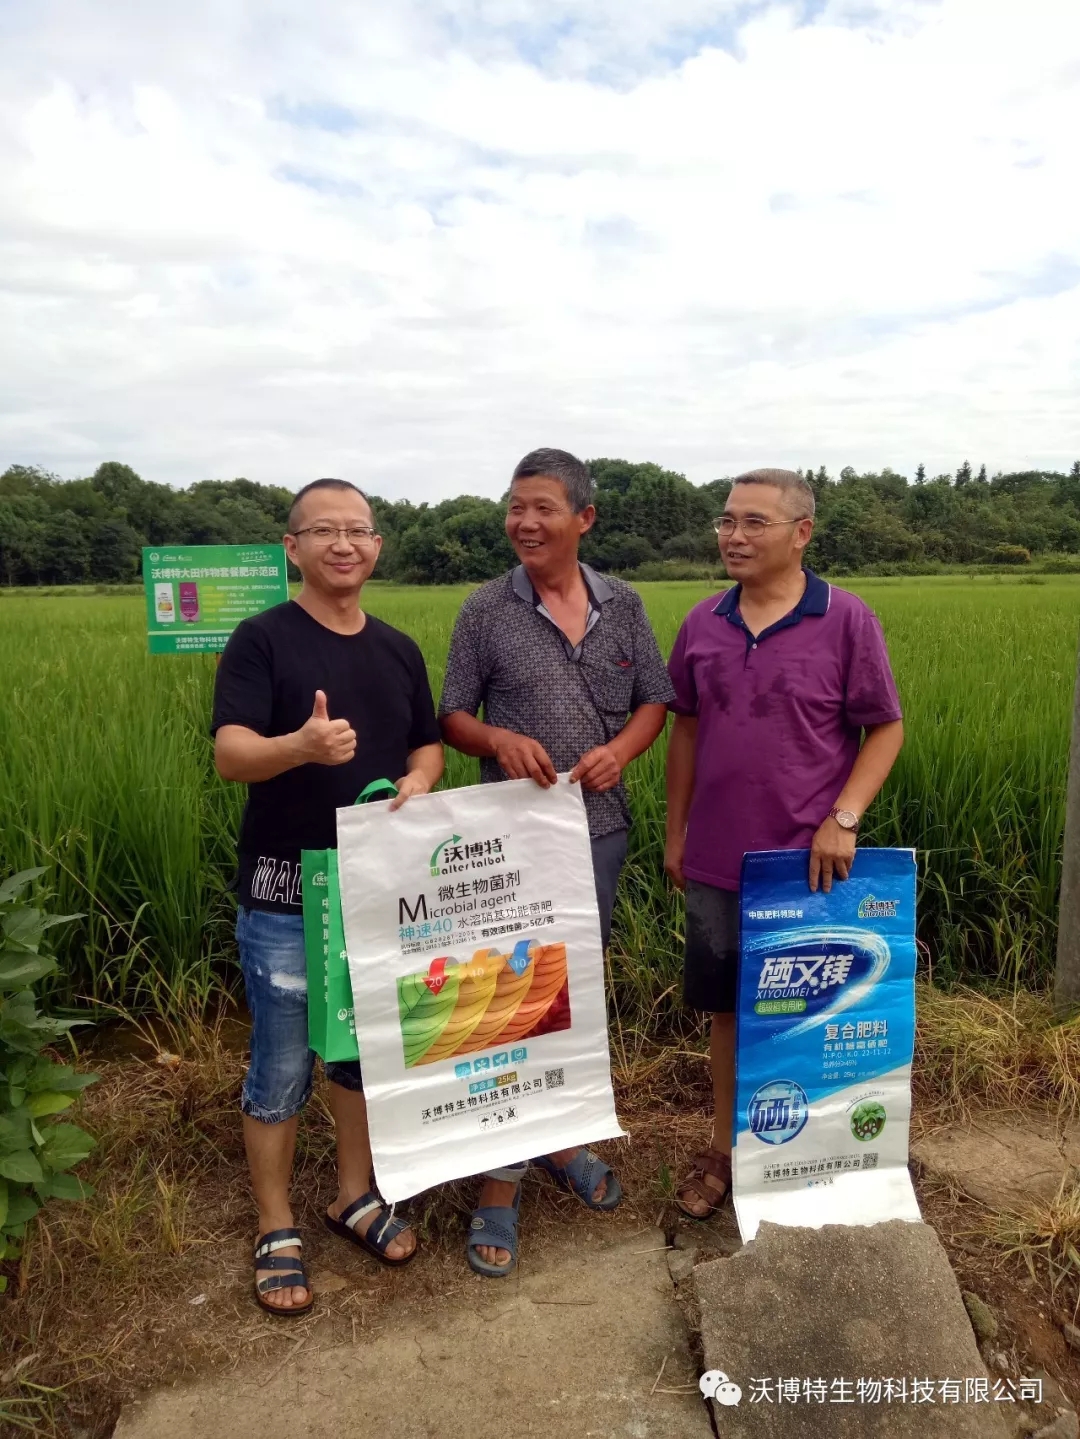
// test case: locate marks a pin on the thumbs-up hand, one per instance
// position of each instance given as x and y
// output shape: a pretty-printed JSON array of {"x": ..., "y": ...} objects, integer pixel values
[{"x": 323, "y": 740}]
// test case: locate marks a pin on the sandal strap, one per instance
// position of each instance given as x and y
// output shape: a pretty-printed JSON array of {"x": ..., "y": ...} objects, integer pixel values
[
  {"x": 693, "y": 1185},
  {"x": 494, "y": 1225},
  {"x": 582, "y": 1175},
  {"x": 586, "y": 1170},
  {"x": 277, "y": 1239},
  {"x": 379, "y": 1233},
  {"x": 295, "y": 1280},
  {"x": 286, "y": 1271},
  {"x": 716, "y": 1163},
  {"x": 351, "y": 1215},
  {"x": 383, "y": 1234}
]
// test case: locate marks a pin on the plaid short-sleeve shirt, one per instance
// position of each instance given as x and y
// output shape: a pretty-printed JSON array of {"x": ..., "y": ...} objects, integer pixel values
[{"x": 508, "y": 655}]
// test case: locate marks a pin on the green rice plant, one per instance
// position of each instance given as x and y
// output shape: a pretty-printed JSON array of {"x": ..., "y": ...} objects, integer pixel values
[{"x": 106, "y": 776}]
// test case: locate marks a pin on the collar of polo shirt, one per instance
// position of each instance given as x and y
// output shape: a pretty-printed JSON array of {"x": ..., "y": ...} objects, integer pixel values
[
  {"x": 815, "y": 601},
  {"x": 599, "y": 589}
]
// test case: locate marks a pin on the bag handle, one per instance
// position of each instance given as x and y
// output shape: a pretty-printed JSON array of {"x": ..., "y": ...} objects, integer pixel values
[{"x": 377, "y": 789}]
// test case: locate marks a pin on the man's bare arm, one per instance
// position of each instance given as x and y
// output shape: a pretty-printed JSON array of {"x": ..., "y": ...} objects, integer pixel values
[
  {"x": 601, "y": 768},
  {"x": 833, "y": 848},
  {"x": 519, "y": 756},
  {"x": 242, "y": 755},
  {"x": 423, "y": 771}
]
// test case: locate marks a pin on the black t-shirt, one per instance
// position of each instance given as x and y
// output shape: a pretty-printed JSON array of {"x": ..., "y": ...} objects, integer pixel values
[{"x": 266, "y": 681}]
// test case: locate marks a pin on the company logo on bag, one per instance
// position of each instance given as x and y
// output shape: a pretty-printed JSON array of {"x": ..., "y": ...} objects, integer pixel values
[
  {"x": 343, "y": 1015},
  {"x": 319, "y": 879},
  {"x": 778, "y": 1111},
  {"x": 454, "y": 855},
  {"x": 871, "y": 908}
]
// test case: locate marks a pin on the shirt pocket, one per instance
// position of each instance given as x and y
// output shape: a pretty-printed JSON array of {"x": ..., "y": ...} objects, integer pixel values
[{"x": 612, "y": 687}]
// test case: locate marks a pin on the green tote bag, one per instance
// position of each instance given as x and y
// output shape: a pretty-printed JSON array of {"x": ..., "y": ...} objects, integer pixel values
[{"x": 331, "y": 1024}]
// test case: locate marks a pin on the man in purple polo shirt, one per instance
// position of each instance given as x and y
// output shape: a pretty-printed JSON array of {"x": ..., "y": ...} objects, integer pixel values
[{"x": 777, "y": 681}]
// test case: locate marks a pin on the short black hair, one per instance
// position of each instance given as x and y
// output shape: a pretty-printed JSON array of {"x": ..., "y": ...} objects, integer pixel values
[
  {"x": 328, "y": 484},
  {"x": 561, "y": 465}
]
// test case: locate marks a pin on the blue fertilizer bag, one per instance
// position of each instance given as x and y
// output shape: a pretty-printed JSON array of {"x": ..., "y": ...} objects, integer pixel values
[{"x": 826, "y": 1031}]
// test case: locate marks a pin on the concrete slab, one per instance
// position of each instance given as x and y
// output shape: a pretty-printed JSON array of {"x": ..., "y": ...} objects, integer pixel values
[
  {"x": 1004, "y": 1161},
  {"x": 842, "y": 1304},
  {"x": 581, "y": 1348}
]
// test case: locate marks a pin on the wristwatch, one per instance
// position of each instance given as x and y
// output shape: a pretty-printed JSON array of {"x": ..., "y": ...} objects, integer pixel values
[{"x": 845, "y": 819}]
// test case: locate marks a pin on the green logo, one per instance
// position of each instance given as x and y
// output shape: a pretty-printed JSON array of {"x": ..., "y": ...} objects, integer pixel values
[
  {"x": 867, "y": 1120},
  {"x": 871, "y": 908},
  {"x": 453, "y": 839}
]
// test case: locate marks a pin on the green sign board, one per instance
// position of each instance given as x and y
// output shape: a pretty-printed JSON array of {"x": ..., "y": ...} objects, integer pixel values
[{"x": 196, "y": 596}]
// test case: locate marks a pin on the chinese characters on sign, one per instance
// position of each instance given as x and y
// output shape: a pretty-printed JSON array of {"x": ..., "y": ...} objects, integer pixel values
[{"x": 196, "y": 596}]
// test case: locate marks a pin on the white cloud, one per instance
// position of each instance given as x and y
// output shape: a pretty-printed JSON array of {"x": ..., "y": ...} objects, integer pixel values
[{"x": 407, "y": 244}]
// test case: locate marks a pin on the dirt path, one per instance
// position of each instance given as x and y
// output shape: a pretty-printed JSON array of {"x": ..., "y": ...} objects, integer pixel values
[{"x": 588, "y": 1342}]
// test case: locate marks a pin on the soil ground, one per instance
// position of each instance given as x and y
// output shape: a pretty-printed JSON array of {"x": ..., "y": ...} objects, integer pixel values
[{"x": 149, "y": 1283}]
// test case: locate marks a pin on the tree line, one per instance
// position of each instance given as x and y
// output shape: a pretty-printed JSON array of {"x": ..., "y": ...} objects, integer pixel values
[{"x": 650, "y": 522}]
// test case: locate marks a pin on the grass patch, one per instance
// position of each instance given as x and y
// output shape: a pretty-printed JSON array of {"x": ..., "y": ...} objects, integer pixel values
[{"x": 980, "y": 1050}]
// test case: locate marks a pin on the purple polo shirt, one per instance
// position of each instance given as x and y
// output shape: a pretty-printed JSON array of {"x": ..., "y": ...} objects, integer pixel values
[{"x": 780, "y": 720}]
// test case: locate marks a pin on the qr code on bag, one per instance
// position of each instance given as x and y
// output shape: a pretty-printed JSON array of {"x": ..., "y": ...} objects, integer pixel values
[{"x": 553, "y": 1078}]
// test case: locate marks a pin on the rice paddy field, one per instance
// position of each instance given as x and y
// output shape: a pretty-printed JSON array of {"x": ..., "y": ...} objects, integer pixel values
[{"x": 106, "y": 777}]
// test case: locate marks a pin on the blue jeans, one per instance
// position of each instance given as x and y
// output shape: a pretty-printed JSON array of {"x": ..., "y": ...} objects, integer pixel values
[{"x": 278, "y": 1081}]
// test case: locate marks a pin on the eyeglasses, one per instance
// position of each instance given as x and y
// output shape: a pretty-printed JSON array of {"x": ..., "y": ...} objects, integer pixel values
[
  {"x": 327, "y": 534},
  {"x": 752, "y": 528}
]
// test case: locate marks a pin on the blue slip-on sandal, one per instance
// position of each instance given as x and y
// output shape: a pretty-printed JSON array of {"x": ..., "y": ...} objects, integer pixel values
[
  {"x": 495, "y": 1227},
  {"x": 380, "y": 1234},
  {"x": 582, "y": 1175},
  {"x": 289, "y": 1272}
]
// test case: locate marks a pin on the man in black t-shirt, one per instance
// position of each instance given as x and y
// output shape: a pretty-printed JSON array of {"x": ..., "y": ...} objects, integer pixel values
[{"x": 314, "y": 699}]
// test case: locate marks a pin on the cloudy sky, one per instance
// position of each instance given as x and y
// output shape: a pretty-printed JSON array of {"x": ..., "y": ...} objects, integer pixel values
[{"x": 405, "y": 242}]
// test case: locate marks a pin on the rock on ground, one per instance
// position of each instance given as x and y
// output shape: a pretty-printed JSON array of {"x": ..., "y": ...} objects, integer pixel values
[
  {"x": 1065, "y": 1426},
  {"x": 573, "y": 1349},
  {"x": 842, "y": 1303}
]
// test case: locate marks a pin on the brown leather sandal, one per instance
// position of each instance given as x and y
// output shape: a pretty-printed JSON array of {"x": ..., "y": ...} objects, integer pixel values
[{"x": 716, "y": 1163}]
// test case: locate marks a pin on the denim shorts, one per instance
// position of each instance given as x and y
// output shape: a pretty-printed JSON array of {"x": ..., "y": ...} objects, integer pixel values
[{"x": 278, "y": 1081}]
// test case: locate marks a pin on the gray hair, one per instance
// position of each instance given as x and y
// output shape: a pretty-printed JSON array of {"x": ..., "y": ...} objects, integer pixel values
[
  {"x": 559, "y": 465},
  {"x": 793, "y": 485}
]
